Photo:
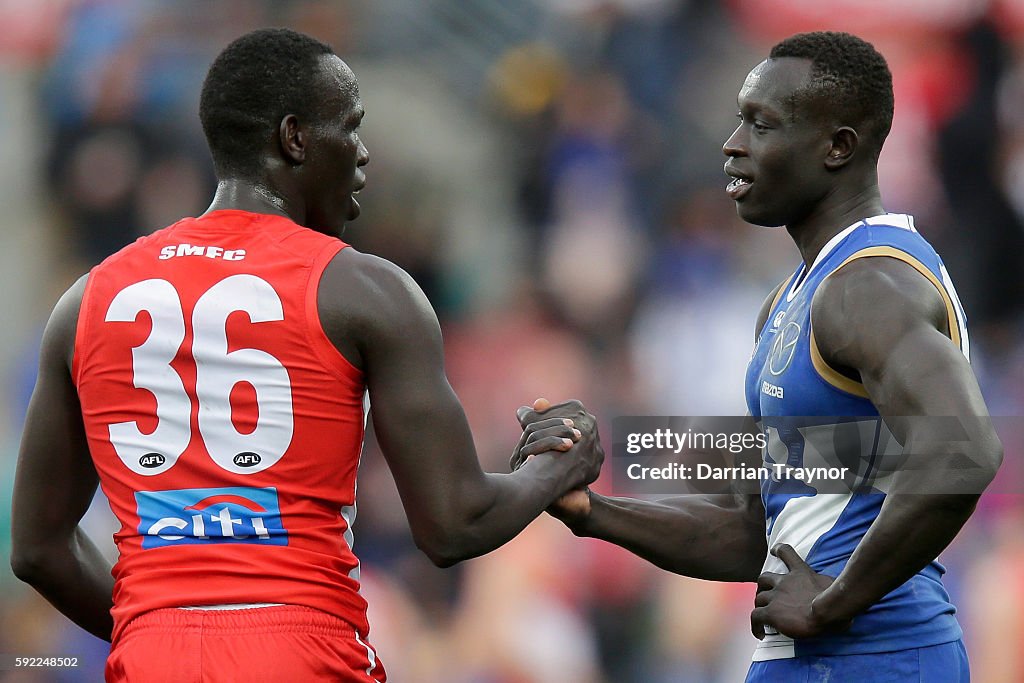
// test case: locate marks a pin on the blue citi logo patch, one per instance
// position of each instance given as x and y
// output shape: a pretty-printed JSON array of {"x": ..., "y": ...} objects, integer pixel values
[{"x": 234, "y": 514}]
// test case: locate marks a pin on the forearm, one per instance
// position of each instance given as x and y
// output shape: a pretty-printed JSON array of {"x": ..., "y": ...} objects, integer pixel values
[
  {"x": 503, "y": 505},
  {"x": 75, "y": 578},
  {"x": 718, "y": 538},
  {"x": 928, "y": 503},
  {"x": 910, "y": 531}
]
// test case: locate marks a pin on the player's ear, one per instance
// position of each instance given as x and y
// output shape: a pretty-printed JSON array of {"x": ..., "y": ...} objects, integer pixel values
[
  {"x": 844, "y": 146},
  {"x": 292, "y": 139}
]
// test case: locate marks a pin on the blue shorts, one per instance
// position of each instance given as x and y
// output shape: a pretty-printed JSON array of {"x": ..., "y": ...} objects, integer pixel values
[{"x": 946, "y": 663}]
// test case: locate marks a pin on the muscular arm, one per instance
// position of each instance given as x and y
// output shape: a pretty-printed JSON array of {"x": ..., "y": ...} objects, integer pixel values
[
  {"x": 882, "y": 319},
  {"x": 381, "y": 321},
  {"x": 713, "y": 537},
  {"x": 54, "y": 485}
]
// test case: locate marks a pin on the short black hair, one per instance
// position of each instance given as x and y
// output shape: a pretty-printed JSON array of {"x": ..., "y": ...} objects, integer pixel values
[
  {"x": 851, "y": 74},
  {"x": 252, "y": 84}
]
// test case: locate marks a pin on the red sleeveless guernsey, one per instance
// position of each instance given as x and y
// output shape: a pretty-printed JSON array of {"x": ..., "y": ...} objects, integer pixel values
[{"x": 225, "y": 427}]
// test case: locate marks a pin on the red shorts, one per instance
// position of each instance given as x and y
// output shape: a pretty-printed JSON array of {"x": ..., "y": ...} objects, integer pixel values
[{"x": 271, "y": 644}]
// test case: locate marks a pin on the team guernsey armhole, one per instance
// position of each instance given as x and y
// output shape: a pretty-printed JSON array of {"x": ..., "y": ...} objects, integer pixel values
[
  {"x": 779, "y": 294},
  {"x": 318, "y": 340},
  {"x": 841, "y": 381},
  {"x": 775, "y": 302},
  {"x": 82, "y": 331}
]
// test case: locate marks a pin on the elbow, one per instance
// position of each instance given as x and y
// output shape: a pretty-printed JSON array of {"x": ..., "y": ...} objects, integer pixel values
[
  {"x": 452, "y": 536},
  {"x": 29, "y": 564},
  {"x": 997, "y": 457},
  {"x": 989, "y": 463},
  {"x": 444, "y": 561},
  {"x": 442, "y": 546},
  {"x": 442, "y": 554}
]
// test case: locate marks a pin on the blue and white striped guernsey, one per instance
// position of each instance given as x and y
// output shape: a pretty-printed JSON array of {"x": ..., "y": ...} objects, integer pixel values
[{"x": 817, "y": 417}]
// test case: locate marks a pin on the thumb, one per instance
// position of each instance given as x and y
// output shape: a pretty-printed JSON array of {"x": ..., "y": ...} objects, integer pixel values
[
  {"x": 526, "y": 414},
  {"x": 792, "y": 559}
]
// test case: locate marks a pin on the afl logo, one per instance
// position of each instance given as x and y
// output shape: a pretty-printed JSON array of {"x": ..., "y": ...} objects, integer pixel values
[
  {"x": 783, "y": 348},
  {"x": 247, "y": 459},
  {"x": 151, "y": 460}
]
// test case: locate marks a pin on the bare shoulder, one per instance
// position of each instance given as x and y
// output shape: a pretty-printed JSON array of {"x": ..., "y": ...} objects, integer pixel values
[
  {"x": 356, "y": 268},
  {"x": 363, "y": 297},
  {"x": 59, "y": 337},
  {"x": 870, "y": 304}
]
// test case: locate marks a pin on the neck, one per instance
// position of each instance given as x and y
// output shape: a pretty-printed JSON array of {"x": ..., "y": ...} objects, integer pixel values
[
  {"x": 253, "y": 196},
  {"x": 831, "y": 216}
]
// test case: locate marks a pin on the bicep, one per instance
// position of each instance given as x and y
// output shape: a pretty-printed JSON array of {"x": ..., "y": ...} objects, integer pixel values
[
  {"x": 923, "y": 373},
  {"x": 55, "y": 479},
  {"x": 885, "y": 321},
  {"x": 419, "y": 422}
]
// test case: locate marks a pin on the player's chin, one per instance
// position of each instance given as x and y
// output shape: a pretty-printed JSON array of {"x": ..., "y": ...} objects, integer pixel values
[
  {"x": 353, "y": 209},
  {"x": 756, "y": 215}
]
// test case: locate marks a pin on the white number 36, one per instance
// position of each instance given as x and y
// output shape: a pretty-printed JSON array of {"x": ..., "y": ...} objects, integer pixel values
[{"x": 217, "y": 372}]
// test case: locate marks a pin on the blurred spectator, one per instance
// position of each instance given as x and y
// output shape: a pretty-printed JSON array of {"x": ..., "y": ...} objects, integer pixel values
[{"x": 550, "y": 173}]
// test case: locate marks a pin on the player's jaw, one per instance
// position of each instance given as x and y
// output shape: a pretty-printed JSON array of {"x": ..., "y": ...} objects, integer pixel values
[{"x": 758, "y": 202}]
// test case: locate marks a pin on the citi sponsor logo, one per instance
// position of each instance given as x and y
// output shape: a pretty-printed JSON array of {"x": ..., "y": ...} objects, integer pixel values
[
  {"x": 773, "y": 390},
  {"x": 186, "y": 249},
  {"x": 236, "y": 514}
]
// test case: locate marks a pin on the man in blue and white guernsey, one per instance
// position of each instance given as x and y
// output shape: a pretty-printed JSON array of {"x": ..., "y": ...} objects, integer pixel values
[{"x": 857, "y": 355}]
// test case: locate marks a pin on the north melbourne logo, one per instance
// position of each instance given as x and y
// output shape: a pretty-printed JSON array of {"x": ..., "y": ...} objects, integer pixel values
[{"x": 783, "y": 349}]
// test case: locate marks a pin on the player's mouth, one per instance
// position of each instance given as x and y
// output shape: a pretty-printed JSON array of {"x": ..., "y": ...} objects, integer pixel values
[
  {"x": 739, "y": 186},
  {"x": 355, "y": 208}
]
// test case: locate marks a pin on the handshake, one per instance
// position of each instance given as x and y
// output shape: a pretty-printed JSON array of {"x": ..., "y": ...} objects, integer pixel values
[{"x": 565, "y": 430}]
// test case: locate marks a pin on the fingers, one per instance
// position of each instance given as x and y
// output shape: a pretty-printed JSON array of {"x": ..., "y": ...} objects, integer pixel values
[
  {"x": 548, "y": 443},
  {"x": 757, "y": 622},
  {"x": 768, "y": 581},
  {"x": 526, "y": 415},
  {"x": 792, "y": 559},
  {"x": 552, "y": 434},
  {"x": 549, "y": 426},
  {"x": 517, "y": 460},
  {"x": 570, "y": 409}
]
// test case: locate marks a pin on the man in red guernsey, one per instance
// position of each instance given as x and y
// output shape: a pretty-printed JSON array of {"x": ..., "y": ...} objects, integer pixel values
[{"x": 211, "y": 378}]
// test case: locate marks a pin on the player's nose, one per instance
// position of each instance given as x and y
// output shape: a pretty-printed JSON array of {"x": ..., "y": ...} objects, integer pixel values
[{"x": 736, "y": 145}]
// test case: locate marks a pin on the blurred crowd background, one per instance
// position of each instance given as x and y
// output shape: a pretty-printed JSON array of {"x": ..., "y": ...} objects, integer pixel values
[{"x": 550, "y": 171}]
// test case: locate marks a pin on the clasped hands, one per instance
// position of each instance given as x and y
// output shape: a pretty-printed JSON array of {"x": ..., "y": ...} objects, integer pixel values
[
  {"x": 785, "y": 603},
  {"x": 569, "y": 428}
]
